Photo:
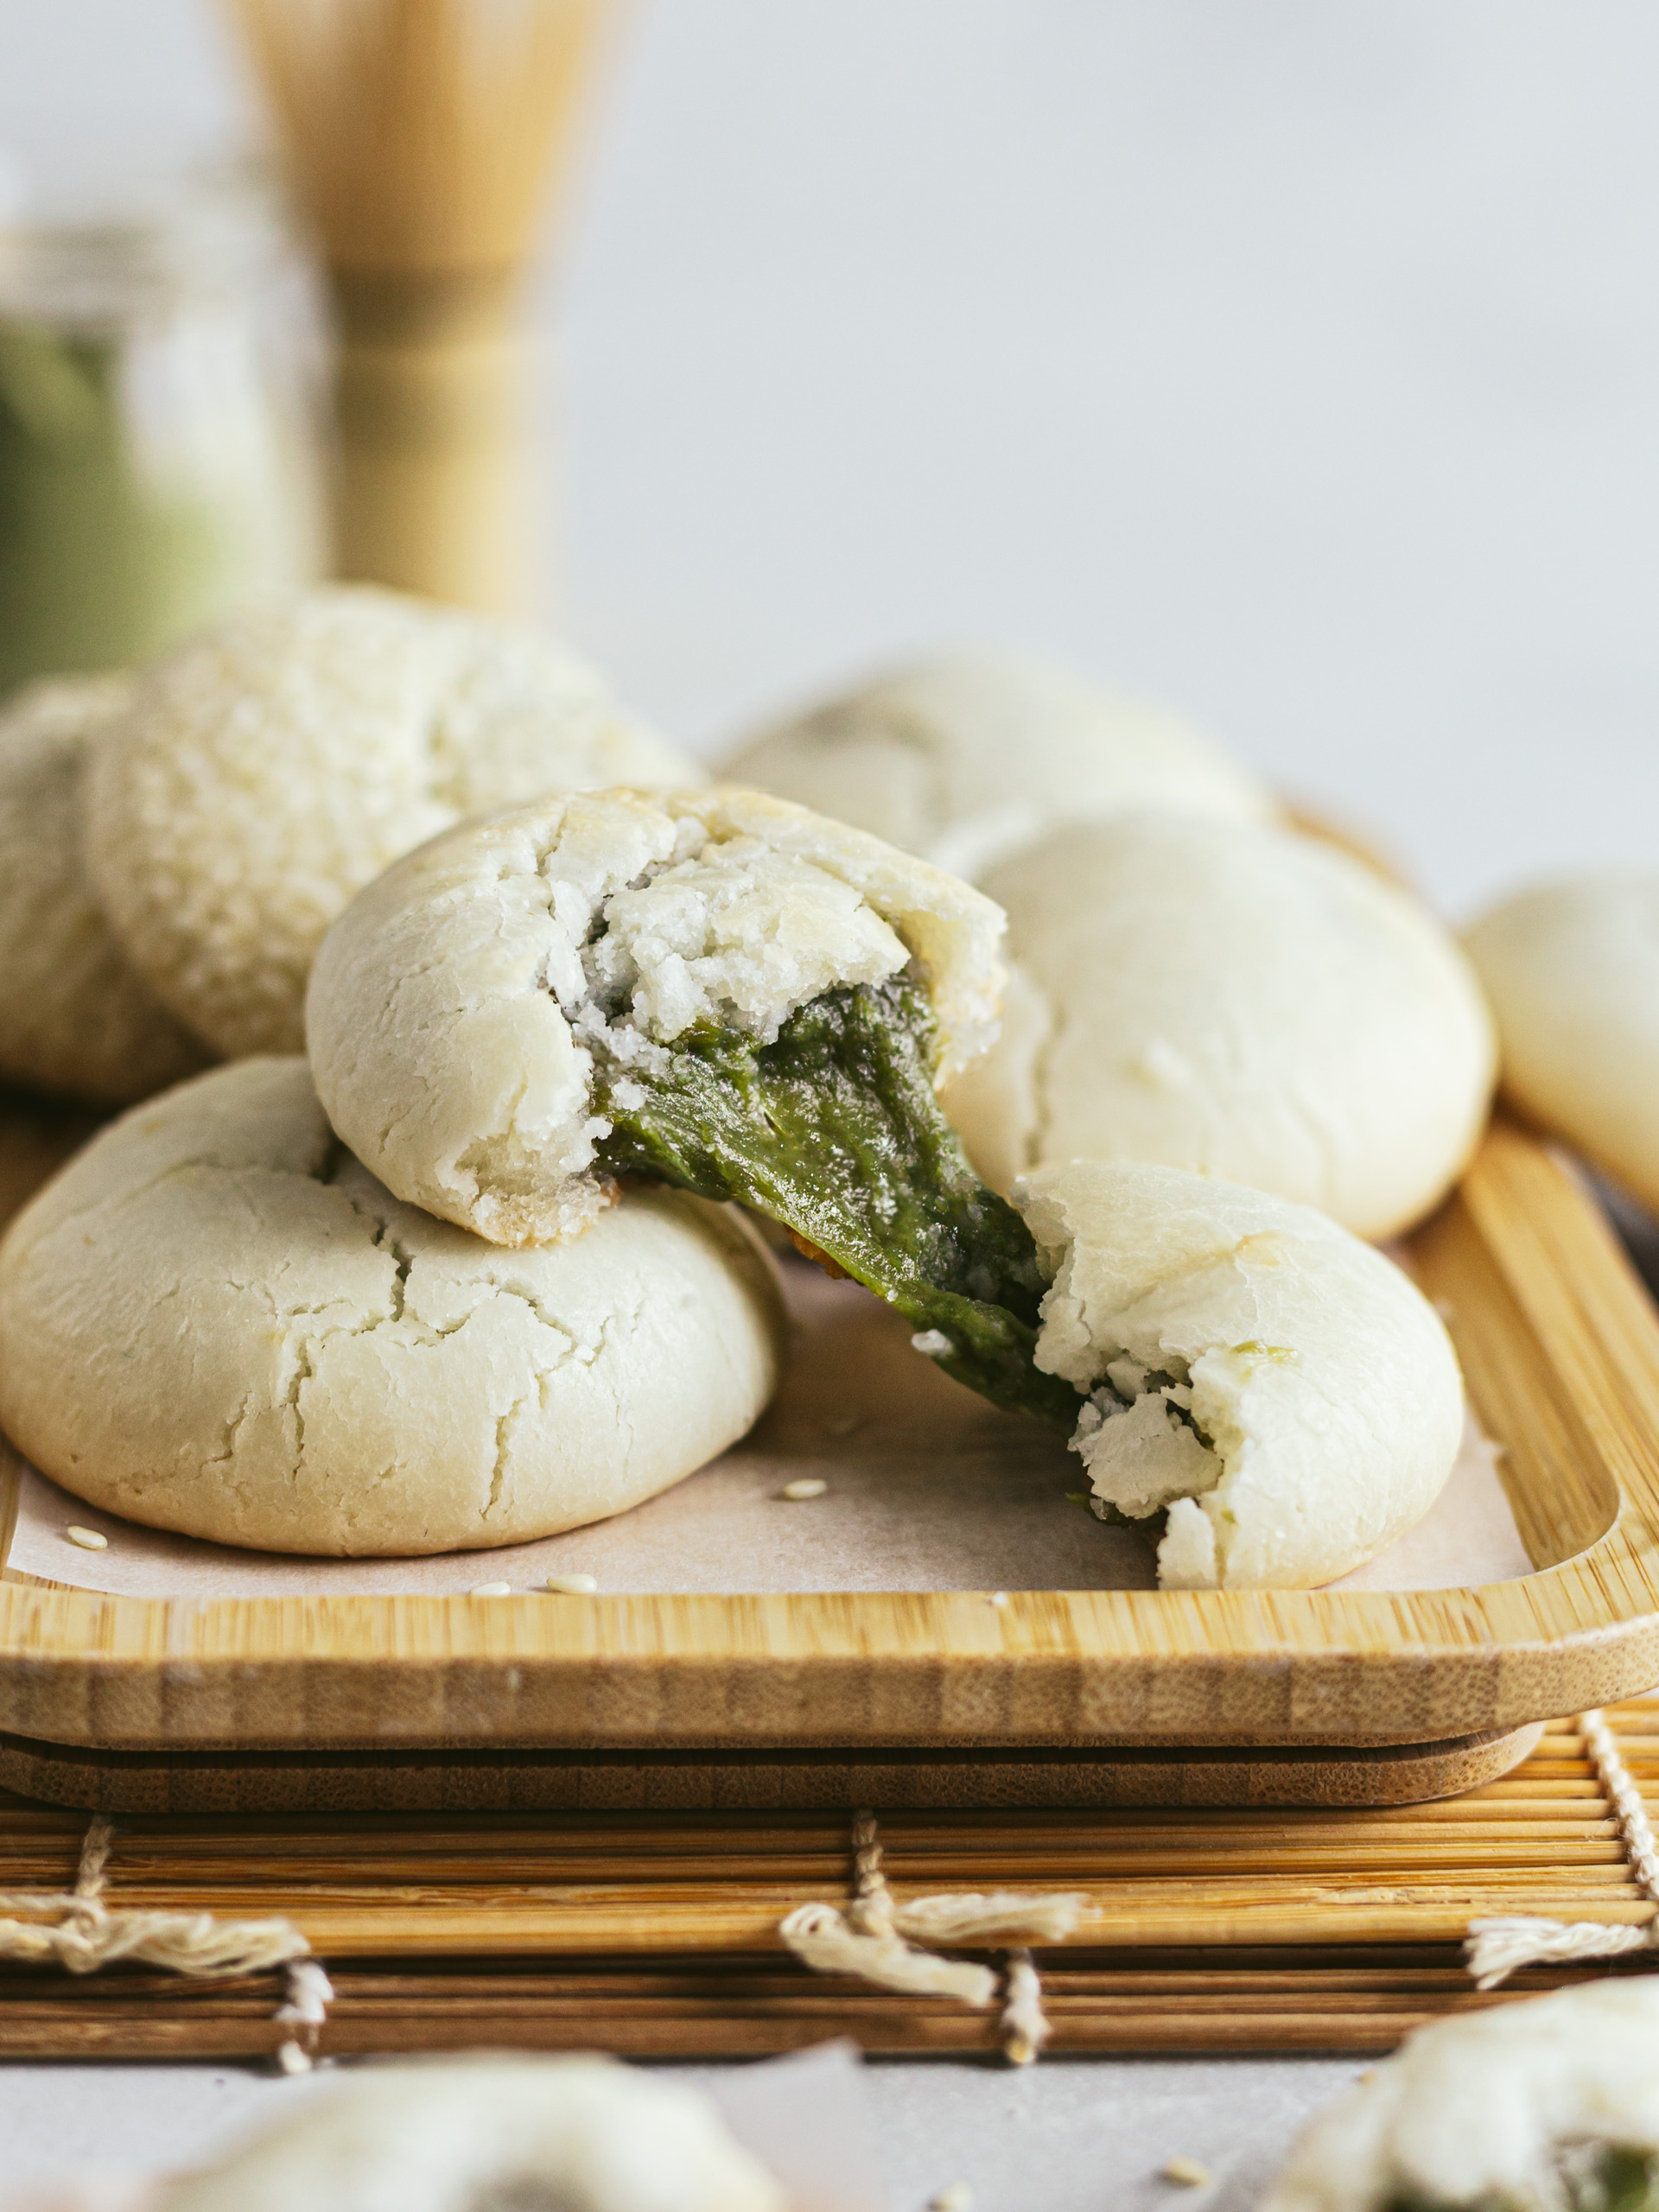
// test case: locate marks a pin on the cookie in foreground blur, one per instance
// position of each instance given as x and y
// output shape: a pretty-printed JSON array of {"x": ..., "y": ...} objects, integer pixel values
[
  {"x": 1547, "y": 2105},
  {"x": 569, "y": 2134}
]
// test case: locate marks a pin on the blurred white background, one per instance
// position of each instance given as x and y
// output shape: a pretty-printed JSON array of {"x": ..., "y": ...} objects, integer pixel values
[{"x": 1298, "y": 361}]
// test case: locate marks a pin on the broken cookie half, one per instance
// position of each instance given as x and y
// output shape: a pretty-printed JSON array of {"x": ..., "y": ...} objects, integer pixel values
[
  {"x": 709, "y": 988},
  {"x": 1279, "y": 1392}
]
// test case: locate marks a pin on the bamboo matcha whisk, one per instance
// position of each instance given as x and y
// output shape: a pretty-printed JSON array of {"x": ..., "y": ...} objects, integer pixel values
[{"x": 423, "y": 137}]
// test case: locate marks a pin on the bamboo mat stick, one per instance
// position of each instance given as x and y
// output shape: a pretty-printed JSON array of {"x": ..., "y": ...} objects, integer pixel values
[
  {"x": 1561, "y": 1848},
  {"x": 722, "y": 2030},
  {"x": 427, "y": 1932},
  {"x": 324, "y": 1839}
]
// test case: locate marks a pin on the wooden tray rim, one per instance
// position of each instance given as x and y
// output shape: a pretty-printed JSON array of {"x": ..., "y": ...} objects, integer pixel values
[{"x": 1543, "y": 1304}]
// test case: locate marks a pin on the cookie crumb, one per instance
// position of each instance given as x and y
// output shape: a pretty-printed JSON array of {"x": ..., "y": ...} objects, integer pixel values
[
  {"x": 1186, "y": 2173},
  {"x": 88, "y": 1539},
  {"x": 805, "y": 1486},
  {"x": 491, "y": 1590},
  {"x": 955, "y": 2196},
  {"x": 573, "y": 1585}
]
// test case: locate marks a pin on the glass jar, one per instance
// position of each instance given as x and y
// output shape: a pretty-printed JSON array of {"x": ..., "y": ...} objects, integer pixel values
[{"x": 159, "y": 454}]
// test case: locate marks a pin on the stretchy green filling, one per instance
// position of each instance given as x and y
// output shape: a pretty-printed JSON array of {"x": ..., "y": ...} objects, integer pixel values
[
  {"x": 835, "y": 1131},
  {"x": 1588, "y": 2178}
]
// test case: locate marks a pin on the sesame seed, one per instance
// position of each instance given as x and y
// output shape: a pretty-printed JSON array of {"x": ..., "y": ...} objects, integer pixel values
[
  {"x": 998, "y": 1597},
  {"x": 955, "y": 2196},
  {"x": 573, "y": 1585},
  {"x": 803, "y": 1486},
  {"x": 1187, "y": 2173},
  {"x": 88, "y": 1539},
  {"x": 491, "y": 1590}
]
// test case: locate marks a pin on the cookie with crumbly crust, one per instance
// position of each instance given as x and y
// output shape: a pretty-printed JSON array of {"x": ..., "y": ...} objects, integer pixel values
[
  {"x": 215, "y": 1320},
  {"x": 1280, "y": 1391},
  {"x": 456, "y": 1005},
  {"x": 575, "y": 2133},
  {"x": 1550, "y": 2103},
  {"x": 75, "y": 1018},
  {"x": 267, "y": 769},
  {"x": 1239, "y": 1000},
  {"x": 967, "y": 758}
]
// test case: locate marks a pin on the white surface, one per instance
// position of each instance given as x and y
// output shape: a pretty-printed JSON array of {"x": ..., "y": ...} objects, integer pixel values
[{"x": 1300, "y": 361}]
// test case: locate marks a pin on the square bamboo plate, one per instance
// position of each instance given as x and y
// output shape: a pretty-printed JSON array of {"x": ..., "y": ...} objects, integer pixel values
[{"x": 1056, "y": 1696}]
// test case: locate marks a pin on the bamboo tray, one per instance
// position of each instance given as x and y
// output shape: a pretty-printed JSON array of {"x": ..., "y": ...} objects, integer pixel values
[
  {"x": 655, "y": 1935},
  {"x": 1089, "y": 1697}
]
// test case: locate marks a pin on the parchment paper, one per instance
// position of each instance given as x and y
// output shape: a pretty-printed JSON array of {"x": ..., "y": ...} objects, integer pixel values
[{"x": 928, "y": 1488}]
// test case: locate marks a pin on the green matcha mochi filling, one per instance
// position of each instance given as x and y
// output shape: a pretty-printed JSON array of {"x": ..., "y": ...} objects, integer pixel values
[
  {"x": 834, "y": 1129},
  {"x": 1588, "y": 2178}
]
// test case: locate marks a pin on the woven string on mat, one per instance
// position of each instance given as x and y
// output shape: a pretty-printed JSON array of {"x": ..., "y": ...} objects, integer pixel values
[
  {"x": 1496, "y": 1949},
  {"x": 79, "y": 1931},
  {"x": 866, "y": 1938}
]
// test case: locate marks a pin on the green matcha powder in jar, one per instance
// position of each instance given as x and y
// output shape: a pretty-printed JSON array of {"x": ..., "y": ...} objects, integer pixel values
[{"x": 158, "y": 455}]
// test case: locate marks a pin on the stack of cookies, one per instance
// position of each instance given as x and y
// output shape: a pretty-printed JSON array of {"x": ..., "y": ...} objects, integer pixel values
[{"x": 526, "y": 1027}]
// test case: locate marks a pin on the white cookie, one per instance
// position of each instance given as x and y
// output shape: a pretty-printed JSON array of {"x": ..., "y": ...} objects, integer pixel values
[
  {"x": 1282, "y": 1390},
  {"x": 216, "y": 1321},
  {"x": 269, "y": 768},
  {"x": 576, "y": 2134},
  {"x": 1515, "y": 2107},
  {"x": 1572, "y": 973},
  {"x": 74, "y": 1017},
  {"x": 966, "y": 760},
  {"x": 1241, "y": 1002},
  {"x": 450, "y": 1002}
]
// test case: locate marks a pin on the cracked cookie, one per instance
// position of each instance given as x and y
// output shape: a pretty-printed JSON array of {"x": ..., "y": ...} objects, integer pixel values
[
  {"x": 1240, "y": 1001},
  {"x": 216, "y": 1321}
]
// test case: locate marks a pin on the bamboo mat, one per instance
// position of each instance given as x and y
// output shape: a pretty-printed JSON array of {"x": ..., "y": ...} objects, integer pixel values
[{"x": 654, "y": 1934}]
